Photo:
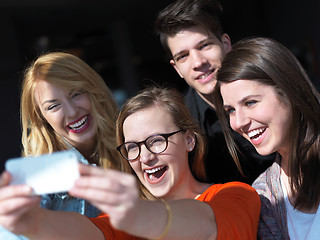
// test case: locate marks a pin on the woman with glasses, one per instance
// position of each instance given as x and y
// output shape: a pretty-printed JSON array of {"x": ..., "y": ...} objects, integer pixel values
[{"x": 163, "y": 148}]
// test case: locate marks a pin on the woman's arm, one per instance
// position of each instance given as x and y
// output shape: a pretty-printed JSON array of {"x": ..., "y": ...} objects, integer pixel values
[
  {"x": 62, "y": 225},
  {"x": 21, "y": 214},
  {"x": 192, "y": 220},
  {"x": 116, "y": 194}
]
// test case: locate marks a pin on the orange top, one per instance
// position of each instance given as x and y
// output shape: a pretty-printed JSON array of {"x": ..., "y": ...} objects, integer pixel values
[{"x": 236, "y": 207}]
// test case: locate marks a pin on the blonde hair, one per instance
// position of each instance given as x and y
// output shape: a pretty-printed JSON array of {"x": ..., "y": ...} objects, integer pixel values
[{"x": 69, "y": 72}]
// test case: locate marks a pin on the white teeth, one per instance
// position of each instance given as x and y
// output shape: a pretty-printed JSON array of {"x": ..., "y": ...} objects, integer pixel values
[
  {"x": 205, "y": 75},
  {"x": 255, "y": 132},
  {"x": 150, "y": 171},
  {"x": 79, "y": 123}
]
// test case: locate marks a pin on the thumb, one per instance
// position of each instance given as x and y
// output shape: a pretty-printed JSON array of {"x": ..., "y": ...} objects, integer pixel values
[{"x": 5, "y": 178}]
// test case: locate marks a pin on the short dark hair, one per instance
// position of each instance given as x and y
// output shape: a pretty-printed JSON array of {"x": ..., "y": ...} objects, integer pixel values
[{"x": 183, "y": 14}]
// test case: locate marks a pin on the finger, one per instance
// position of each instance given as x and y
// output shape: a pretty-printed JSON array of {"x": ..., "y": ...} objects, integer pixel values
[
  {"x": 111, "y": 205},
  {"x": 5, "y": 179},
  {"x": 11, "y": 220},
  {"x": 100, "y": 183},
  {"x": 105, "y": 176},
  {"x": 10, "y": 206},
  {"x": 8, "y": 192},
  {"x": 86, "y": 170},
  {"x": 97, "y": 195}
]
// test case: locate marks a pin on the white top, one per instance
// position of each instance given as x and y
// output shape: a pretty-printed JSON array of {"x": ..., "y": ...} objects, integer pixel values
[{"x": 301, "y": 226}]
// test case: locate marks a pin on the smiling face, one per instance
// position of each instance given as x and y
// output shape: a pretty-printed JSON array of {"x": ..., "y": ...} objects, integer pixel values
[
  {"x": 166, "y": 174},
  {"x": 68, "y": 113},
  {"x": 257, "y": 113},
  {"x": 197, "y": 57}
]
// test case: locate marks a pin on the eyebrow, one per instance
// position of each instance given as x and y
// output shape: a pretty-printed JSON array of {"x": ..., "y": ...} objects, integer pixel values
[
  {"x": 48, "y": 101},
  {"x": 73, "y": 90},
  {"x": 177, "y": 54},
  {"x": 199, "y": 43}
]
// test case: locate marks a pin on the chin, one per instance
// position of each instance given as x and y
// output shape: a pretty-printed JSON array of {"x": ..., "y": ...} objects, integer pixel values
[
  {"x": 207, "y": 91},
  {"x": 157, "y": 193},
  {"x": 264, "y": 152}
]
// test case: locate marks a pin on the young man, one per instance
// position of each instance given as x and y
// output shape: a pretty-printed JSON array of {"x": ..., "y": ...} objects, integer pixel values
[{"x": 191, "y": 32}]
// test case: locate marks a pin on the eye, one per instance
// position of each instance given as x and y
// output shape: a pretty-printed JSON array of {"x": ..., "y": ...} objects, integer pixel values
[
  {"x": 156, "y": 140},
  {"x": 250, "y": 103},
  {"x": 131, "y": 147},
  {"x": 229, "y": 110},
  {"x": 205, "y": 45},
  {"x": 52, "y": 107},
  {"x": 77, "y": 93},
  {"x": 181, "y": 57}
]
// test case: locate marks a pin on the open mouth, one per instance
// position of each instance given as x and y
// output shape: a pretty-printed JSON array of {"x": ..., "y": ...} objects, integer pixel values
[
  {"x": 256, "y": 134},
  {"x": 79, "y": 125},
  {"x": 207, "y": 74},
  {"x": 155, "y": 174}
]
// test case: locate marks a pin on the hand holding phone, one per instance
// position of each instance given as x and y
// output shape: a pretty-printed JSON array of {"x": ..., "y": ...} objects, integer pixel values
[{"x": 48, "y": 173}]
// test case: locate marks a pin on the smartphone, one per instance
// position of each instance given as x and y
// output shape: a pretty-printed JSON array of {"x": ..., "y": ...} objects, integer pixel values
[{"x": 48, "y": 173}]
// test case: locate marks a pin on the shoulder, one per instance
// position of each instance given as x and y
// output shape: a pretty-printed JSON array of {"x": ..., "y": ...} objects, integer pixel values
[
  {"x": 230, "y": 190},
  {"x": 236, "y": 207},
  {"x": 268, "y": 181},
  {"x": 261, "y": 182},
  {"x": 230, "y": 186}
]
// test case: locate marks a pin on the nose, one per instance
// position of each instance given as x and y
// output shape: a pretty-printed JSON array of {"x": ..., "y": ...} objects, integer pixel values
[
  {"x": 197, "y": 59},
  {"x": 145, "y": 155},
  {"x": 239, "y": 121},
  {"x": 70, "y": 109}
]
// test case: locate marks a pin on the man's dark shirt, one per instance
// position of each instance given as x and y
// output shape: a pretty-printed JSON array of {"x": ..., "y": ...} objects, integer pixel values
[{"x": 220, "y": 167}]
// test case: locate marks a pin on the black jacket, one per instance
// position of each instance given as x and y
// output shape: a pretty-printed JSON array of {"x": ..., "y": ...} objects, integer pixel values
[{"x": 220, "y": 167}]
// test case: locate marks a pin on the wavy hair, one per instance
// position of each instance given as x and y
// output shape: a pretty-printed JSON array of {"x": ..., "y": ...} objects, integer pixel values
[{"x": 69, "y": 72}]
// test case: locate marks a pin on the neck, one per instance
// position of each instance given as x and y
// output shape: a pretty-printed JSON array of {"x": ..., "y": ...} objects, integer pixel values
[
  {"x": 93, "y": 158},
  {"x": 284, "y": 162},
  {"x": 190, "y": 191},
  {"x": 89, "y": 153},
  {"x": 88, "y": 150}
]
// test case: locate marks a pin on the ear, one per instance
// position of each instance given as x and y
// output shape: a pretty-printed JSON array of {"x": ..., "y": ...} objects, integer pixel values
[
  {"x": 190, "y": 140},
  {"x": 226, "y": 42},
  {"x": 172, "y": 62}
]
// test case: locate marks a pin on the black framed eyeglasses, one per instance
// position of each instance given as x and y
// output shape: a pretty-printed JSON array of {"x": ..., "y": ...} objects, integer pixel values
[{"x": 157, "y": 143}]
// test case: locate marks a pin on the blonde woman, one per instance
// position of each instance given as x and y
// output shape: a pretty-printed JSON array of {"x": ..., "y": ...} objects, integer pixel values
[
  {"x": 65, "y": 104},
  {"x": 164, "y": 148}
]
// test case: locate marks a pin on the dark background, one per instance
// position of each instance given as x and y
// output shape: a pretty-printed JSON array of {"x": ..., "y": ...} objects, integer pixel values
[{"x": 116, "y": 38}]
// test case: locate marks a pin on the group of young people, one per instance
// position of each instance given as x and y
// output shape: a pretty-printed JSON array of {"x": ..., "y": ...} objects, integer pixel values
[{"x": 145, "y": 171}]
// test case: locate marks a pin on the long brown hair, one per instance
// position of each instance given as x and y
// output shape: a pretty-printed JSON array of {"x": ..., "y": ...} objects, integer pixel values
[{"x": 266, "y": 61}]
